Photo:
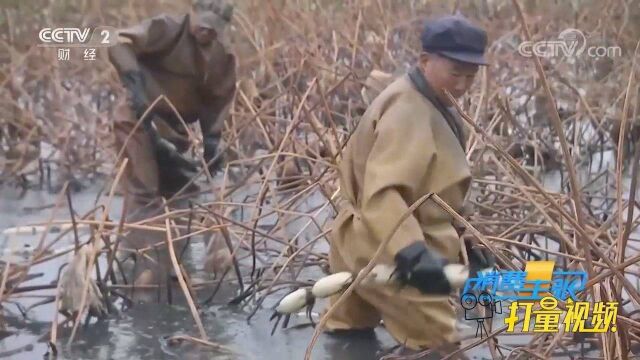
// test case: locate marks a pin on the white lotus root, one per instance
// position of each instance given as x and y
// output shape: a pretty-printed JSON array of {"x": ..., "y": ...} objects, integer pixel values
[
  {"x": 72, "y": 284},
  {"x": 380, "y": 275},
  {"x": 294, "y": 302},
  {"x": 331, "y": 284},
  {"x": 456, "y": 274}
]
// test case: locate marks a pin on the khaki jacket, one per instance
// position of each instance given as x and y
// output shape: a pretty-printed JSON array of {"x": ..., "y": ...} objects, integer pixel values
[
  {"x": 199, "y": 82},
  {"x": 402, "y": 149}
]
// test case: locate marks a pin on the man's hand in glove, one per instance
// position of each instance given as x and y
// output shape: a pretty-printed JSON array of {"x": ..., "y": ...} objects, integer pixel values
[
  {"x": 479, "y": 258},
  {"x": 169, "y": 157},
  {"x": 210, "y": 151},
  {"x": 171, "y": 162},
  {"x": 166, "y": 152},
  {"x": 423, "y": 269},
  {"x": 134, "y": 81},
  {"x": 175, "y": 170}
]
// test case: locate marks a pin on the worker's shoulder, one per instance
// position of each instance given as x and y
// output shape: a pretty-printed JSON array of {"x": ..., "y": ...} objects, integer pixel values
[
  {"x": 401, "y": 103},
  {"x": 399, "y": 93},
  {"x": 159, "y": 23},
  {"x": 169, "y": 24},
  {"x": 173, "y": 19}
]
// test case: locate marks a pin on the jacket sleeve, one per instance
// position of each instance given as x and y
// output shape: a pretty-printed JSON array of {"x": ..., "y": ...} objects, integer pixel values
[
  {"x": 151, "y": 36},
  {"x": 212, "y": 115},
  {"x": 217, "y": 96},
  {"x": 396, "y": 172}
]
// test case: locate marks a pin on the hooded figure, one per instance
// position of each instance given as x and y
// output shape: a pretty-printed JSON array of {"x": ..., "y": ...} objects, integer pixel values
[
  {"x": 406, "y": 145},
  {"x": 184, "y": 58}
]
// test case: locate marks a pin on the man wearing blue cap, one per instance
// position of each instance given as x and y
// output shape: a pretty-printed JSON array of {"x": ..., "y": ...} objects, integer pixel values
[{"x": 409, "y": 144}]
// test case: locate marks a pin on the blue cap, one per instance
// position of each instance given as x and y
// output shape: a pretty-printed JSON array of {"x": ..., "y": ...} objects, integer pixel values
[{"x": 455, "y": 37}]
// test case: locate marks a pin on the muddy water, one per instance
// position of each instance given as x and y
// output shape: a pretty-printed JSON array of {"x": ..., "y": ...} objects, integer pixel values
[{"x": 139, "y": 332}]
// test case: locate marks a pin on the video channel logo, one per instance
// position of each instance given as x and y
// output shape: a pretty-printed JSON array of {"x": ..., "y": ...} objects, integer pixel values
[
  {"x": 571, "y": 42},
  {"x": 102, "y": 36}
]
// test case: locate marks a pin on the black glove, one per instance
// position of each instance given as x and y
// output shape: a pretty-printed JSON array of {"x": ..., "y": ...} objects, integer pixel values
[
  {"x": 423, "y": 269},
  {"x": 134, "y": 82},
  {"x": 168, "y": 155},
  {"x": 210, "y": 151},
  {"x": 479, "y": 258},
  {"x": 174, "y": 179},
  {"x": 175, "y": 171}
]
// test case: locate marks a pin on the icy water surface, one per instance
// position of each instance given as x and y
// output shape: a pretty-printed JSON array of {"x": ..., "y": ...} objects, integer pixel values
[{"x": 139, "y": 332}]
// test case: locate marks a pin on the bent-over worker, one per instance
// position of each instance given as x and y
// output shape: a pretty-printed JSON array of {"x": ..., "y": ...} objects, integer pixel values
[{"x": 185, "y": 59}]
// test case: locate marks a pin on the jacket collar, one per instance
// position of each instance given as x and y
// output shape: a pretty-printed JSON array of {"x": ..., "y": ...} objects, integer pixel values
[{"x": 422, "y": 85}]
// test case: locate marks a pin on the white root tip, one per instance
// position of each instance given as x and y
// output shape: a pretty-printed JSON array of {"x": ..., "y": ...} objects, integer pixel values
[
  {"x": 456, "y": 274},
  {"x": 332, "y": 284},
  {"x": 293, "y": 302}
]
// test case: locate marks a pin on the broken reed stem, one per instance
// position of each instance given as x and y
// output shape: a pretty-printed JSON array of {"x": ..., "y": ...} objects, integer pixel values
[
  {"x": 527, "y": 177},
  {"x": 288, "y": 248},
  {"x": 284, "y": 266},
  {"x": 181, "y": 280},
  {"x": 112, "y": 249},
  {"x": 5, "y": 275},
  {"x": 39, "y": 250},
  {"x": 263, "y": 188},
  {"x": 557, "y": 125},
  {"x": 54, "y": 324},
  {"x": 622, "y": 232},
  {"x": 95, "y": 249},
  {"x": 73, "y": 221}
]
